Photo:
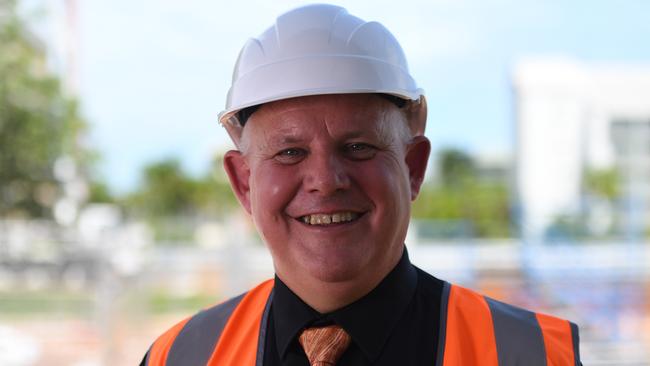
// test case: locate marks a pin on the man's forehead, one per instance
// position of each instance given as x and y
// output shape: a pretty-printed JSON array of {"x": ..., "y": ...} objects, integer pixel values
[
  {"x": 297, "y": 133},
  {"x": 350, "y": 116},
  {"x": 345, "y": 116}
]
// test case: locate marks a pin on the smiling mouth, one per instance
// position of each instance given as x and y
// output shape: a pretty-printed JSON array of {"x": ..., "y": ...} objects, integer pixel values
[{"x": 330, "y": 219}]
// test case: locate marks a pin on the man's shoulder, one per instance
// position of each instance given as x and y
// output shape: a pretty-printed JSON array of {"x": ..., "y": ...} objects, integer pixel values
[
  {"x": 459, "y": 302},
  {"x": 216, "y": 315},
  {"x": 220, "y": 310},
  {"x": 516, "y": 332},
  {"x": 465, "y": 297},
  {"x": 196, "y": 335}
]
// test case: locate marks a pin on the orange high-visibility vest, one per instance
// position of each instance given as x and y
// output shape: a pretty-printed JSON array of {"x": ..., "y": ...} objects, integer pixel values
[{"x": 474, "y": 331}]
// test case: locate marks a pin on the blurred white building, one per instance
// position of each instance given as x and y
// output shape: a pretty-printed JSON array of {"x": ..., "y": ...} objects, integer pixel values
[{"x": 574, "y": 117}]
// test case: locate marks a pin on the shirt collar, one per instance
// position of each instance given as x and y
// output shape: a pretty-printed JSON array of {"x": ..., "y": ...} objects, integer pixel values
[{"x": 369, "y": 320}]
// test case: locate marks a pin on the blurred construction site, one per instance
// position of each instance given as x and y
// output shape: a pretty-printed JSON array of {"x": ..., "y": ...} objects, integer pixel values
[{"x": 542, "y": 200}]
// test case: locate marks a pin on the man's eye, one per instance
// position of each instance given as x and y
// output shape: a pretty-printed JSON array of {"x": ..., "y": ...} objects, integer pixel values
[
  {"x": 360, "y": 150},
  {"x": 288, "y": 156},
  {"x": 290, "y": 152},
  {"x": 358, "y": 147}
]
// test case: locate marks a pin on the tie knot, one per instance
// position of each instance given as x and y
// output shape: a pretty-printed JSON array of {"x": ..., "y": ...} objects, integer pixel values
[{"x": 324, "y": 345}]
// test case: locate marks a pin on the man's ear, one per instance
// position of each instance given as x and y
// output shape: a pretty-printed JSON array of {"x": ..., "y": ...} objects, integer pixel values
[
  {"x": 417, "y": 158},
  {"x": 239, "y": 173}
]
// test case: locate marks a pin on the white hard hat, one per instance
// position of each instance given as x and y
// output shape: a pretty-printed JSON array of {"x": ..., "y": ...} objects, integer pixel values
[{"x": 317, "y": 49}]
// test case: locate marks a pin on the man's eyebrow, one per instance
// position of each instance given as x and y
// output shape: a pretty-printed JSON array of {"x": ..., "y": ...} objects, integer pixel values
[
  {"x": 284, "y": 140},
  {"x": 373, "y": 133},
  {"x": 354, "y": 134},
  {"x": 290, "y": 138}
]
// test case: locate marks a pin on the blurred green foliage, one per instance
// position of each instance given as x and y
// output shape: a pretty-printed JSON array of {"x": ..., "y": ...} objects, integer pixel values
[
  {"x": 599, "y": 186},
  {"x": 164, "y": 302},
  {"x": 38, "y": 123},
  {"x": 460, "y": 197},
  {"x": 604, "y": 183},
  {"x": 99, "y": 192},
  {"x": 167, "y": 190},
  {"x": 173, "y": 202},
  {"x": 456, "y": 168},
  {"x": 568, "y": 228},
  {"x": 24, "y": 302}
]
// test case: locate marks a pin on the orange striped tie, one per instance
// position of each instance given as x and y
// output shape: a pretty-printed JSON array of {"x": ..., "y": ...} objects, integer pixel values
[{"x": 324, "y": 345}]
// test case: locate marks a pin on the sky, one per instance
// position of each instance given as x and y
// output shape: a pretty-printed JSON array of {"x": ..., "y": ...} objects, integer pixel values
[{"x": 153, "y": 74}]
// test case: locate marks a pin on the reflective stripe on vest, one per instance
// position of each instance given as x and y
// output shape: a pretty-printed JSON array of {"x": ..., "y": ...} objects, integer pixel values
[
  {"x": 474, "y": 330},
  {"x": 231, "y": 333}
]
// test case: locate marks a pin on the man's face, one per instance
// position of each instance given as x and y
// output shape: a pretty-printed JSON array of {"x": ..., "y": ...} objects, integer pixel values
[{"x": 328, "y": 181}]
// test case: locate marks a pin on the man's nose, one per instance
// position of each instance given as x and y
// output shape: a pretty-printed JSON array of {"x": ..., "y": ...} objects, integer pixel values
[{"x": 326, "y": 174}]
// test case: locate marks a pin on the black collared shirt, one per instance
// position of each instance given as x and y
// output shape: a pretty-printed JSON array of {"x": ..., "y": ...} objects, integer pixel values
[{"x": 397, "y": 323}]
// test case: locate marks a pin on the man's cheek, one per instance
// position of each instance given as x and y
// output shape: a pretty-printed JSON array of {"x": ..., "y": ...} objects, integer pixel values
[{"x": 271, "y": 193}]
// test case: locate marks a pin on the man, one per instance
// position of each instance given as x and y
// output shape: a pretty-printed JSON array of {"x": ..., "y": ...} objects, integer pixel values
[{"x": 329, "y": 129}]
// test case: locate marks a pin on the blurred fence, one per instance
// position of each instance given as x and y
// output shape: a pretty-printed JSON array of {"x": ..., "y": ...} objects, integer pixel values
[{"x": 100, "y": 297}]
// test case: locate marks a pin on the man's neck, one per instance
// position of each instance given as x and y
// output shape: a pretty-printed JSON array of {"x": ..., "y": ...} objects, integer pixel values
[{"x": 327, "y": 296}]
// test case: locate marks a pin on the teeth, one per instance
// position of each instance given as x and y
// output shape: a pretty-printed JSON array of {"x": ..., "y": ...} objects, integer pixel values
[{"x": 325, "y": 219}]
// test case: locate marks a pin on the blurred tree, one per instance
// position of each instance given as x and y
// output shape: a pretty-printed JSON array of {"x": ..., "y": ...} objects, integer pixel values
[
  {"x": 38, "y": 123},
  {"x": 455, "y": 167},
  {"x": 598, "y": 217},
  {"x": 215, "y": 195},
  {"x": 99, "y": 192},
  {"x": 568, "y": 228},
  {"x": 461, "y": 198},
  {"x": 603, "y": 183},
  {"x": 173, "y": 203},
  {"x": 167, "y": 191},
  {"x": 485, "y": 207}
]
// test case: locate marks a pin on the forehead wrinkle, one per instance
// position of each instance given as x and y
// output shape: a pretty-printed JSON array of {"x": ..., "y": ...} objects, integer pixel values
[
  {"x": 353, "y": 129},
  {"x": 269, "y": 138},
  {"x": 283, "y": 136},
  {"x": 353, "y": 134},
  {"x": 260, "y": 127},
  {"x": 388, "y": 126}
]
